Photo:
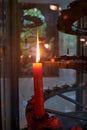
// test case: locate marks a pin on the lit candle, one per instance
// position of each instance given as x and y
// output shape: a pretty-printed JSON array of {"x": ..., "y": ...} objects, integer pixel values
[{"x": 38, "y": 85}]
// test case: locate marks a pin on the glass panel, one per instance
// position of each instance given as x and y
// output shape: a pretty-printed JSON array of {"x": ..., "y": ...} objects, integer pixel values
[
  {"x": 35, "y": 20},
  {"x": 52, "y": 44},
  {"x": 67, "y": 44},
  {"x": 60, "y": 104}
]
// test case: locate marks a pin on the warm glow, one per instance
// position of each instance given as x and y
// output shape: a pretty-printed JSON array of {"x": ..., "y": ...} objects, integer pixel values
[
  {"x": 82, "y": 39},
  {"x": 65, "y": 17},
  {"x": 54, "y": 7},
  {"x": 46, "y": 46},
  {"x": 21, "y": 56},
  {"x": 60, "y": 9},
  {"x": 38, "y": 49},
  {"x": 52, "y": 60},
  {"x": 29, "y": 56}
]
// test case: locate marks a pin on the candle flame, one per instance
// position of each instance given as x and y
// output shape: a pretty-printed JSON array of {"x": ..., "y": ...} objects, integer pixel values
[{"x": 38, "y": 49}]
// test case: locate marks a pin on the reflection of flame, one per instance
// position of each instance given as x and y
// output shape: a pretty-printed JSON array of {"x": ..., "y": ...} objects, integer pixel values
[{"x": 38, "y": 49}]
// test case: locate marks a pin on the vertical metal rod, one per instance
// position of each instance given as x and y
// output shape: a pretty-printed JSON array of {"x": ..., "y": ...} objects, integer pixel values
[{"x": 3, "y": 69}]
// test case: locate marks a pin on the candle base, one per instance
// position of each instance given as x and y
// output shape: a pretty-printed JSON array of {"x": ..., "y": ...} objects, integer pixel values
[{"x": 46, "y": 122}]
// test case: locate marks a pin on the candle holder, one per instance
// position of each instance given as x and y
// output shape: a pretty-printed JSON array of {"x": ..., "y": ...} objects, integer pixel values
[{"x": 44, "y": 123}]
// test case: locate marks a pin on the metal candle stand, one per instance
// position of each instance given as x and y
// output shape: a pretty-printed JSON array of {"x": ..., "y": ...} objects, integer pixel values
[{"x": 76, "y": 120}]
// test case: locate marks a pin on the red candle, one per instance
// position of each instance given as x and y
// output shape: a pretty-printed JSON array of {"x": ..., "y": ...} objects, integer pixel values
[
  {"x": 38, "y": 84},
  {"x": 38, "y": 90}
]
